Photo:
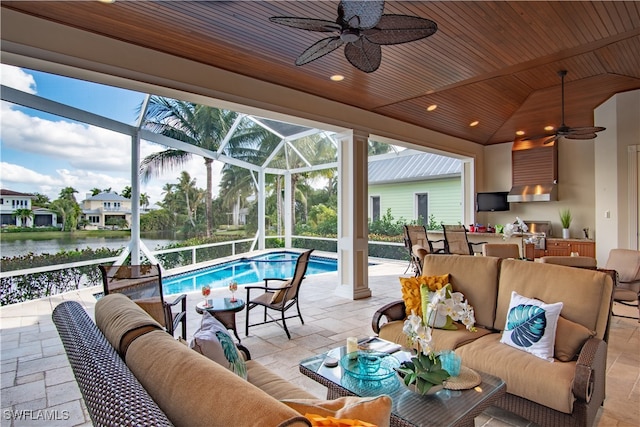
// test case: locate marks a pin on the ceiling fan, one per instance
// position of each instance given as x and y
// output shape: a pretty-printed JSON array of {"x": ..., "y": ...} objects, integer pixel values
[
  {"x": 363, "y": 28},
  {"x": 587, "y": 132}
]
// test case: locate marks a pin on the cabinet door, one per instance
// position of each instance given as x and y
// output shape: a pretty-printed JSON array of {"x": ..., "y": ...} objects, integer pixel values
[
  {"x": 558, "y": 248},
  {"x": 584, "y": 248}
]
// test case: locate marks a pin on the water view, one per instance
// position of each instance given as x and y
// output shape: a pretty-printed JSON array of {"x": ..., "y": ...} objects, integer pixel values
[{"x": 11, "y": 248}]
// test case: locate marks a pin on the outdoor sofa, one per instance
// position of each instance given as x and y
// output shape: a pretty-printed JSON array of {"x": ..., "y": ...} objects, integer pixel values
[
  {"x": 560, "y": 393},
  {"x": 132, "y": 372}
]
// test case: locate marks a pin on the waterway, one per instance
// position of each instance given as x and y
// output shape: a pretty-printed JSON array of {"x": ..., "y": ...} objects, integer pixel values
[{"x": 52, "y": 246}]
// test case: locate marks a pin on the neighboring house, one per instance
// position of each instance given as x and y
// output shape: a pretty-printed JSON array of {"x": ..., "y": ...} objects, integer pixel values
[
  {"x": 102, "y": 207},
  {"x": 11, "y": 201},
  {"x": 416, "y": 186}
]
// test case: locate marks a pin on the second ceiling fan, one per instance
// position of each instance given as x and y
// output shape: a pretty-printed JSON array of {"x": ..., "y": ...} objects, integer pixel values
[{"x": 585, "y": 132}]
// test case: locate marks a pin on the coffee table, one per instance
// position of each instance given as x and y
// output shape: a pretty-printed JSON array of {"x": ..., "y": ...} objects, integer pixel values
[
  {"x": 224, "y": 310},
  {"x": 445, "y": 408}
]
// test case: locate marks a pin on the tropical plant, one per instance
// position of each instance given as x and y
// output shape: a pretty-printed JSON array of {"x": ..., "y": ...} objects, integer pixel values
[
  {"x": 565, "y": 218},
  {"x": 23, "y": 215}
]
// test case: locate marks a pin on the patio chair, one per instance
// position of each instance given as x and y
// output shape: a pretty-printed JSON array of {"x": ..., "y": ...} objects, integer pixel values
[
  {"x": 501, "y": 250},
  {"x": 417, "y": 242},
  {"x": 456, "y": 240},
  {"x": 279, "y": 298},
  {"x": 626, "y": 262},
  {"x": 143, "y": 284}
]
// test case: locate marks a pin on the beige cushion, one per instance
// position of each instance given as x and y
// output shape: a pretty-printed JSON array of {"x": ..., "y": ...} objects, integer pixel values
[
  {"x": 475, "y": 277},
  {"x": 527, "y": 376},
  {"x": 274, "y": 385},
  {"x": 213, "y": 341},
  {"x": 122, "y": 321},
  {"x": 570, "y": 337},
  {"x": 570, "y": 261},
  {"x": 375, "y": 410},
  {"x": 279, "y": 295},
  {"x": 442, "y": 339},
  {"x": 193, "y": 390},
  {"x": 626, "y": 262},
  {"x": 585, "y": 294}
]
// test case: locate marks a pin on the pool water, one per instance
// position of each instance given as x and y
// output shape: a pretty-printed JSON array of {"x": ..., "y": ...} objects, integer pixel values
[{"x": 245, "y": 271}]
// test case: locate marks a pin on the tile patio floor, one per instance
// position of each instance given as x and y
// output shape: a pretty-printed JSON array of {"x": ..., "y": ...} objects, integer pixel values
[{"x": 36, "y": 377}]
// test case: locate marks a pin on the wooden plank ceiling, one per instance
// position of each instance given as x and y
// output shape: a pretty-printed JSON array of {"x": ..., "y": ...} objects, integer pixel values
[{"x": 491, "y": 62}]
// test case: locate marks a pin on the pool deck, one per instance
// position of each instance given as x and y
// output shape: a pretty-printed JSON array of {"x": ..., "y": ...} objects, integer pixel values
[{"x": 37, "y": 379}]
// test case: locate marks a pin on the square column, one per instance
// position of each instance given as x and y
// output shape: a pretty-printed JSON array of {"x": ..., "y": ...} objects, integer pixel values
[{"x": 353, "y": 229}]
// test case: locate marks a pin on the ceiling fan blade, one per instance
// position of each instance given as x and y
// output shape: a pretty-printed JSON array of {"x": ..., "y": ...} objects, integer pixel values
[
  {"x": 360, "y": 14},
  {"x": 586, "y": 129},
  {"x": 551, "y": 139},
  {"x": 308, "y": 24},
  {"x": 319, "y": 49},
  {"x": 581, "y": 136},
  {"x": 364, "y": 55},
  {"x": 396, "y": 29}
]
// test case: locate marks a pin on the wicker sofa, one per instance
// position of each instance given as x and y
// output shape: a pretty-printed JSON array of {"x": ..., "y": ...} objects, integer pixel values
[
  {"x": 149, "y": 378},
  {"x": 547, "y": 393}
]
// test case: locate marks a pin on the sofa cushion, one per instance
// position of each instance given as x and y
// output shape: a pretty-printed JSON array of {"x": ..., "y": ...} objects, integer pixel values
[
  {"x": 375, "y": 410},
  {"x": 475, "y": 277},
  {"x": 570, "y": 337},
  {"x": 585, "y": 294},
  {"x": 442, "y": 339},
  {"x": 527, "y": 376},
  {"x": 191, "y": 389},
  {"x": 213, "y": 341},
  {"x": 531, "y": 326},
  {"x": 410, "y": 288},
  {"x": 272, "y": 384},
  {"x": 122, "y": 321}
]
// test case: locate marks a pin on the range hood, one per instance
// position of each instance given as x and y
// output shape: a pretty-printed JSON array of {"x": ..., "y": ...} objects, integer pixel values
[{"x": 534, "y": 172}]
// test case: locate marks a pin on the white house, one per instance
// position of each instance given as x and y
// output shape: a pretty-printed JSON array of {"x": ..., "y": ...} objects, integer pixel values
[
  {"x": 11, "y": 201},
  {"x": 102, "y": 207}
]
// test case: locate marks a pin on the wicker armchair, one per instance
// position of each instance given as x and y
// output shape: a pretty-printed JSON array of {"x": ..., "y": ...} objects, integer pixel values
[{"x": 626, "y": 262}]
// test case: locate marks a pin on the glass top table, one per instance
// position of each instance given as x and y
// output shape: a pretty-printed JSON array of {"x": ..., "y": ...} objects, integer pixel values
[{"x": 444, "y": 408}]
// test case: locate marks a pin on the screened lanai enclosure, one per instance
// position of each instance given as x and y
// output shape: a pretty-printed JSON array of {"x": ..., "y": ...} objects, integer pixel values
[{"x": 258, "y": 154}]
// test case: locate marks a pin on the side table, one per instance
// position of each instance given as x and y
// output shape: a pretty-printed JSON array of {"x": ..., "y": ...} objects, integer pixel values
[{"x": 224, "y": 310}]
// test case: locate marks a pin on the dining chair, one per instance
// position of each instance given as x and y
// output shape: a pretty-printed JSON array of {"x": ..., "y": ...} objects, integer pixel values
[
  {"x": 501, "y": 250},
  {"x": 417, "y": 242},
  {"x": 456, "y": 240},
  {"x": 143, "y": 284},
  {"x": 626, "y": 262},
  {"x": 279, "y": 298}
]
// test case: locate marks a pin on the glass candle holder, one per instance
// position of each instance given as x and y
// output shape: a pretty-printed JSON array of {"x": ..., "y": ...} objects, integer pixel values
[{"x": 451, "y": 363}]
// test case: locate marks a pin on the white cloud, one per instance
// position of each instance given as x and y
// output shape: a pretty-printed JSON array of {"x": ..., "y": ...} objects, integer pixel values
[{"x": 16, "y": 78}]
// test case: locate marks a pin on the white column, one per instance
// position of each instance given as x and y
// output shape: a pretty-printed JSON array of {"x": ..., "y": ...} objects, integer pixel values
[
  {"x": 135, "y": 199},
  {"x": 353, "y": 251},
  {"x": 288, "y": 209},
  {"x": 261, "y": 209}
]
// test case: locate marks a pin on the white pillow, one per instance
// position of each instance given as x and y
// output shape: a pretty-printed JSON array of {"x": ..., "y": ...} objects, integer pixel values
[
  {"x": 531, "y": 326},
  {"x": 213, "y": 340}
]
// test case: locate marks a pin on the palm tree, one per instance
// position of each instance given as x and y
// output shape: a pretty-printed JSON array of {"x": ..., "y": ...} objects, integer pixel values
[
  {"x": 23, "y": 215},
  {"x": 195, "y": 124}
]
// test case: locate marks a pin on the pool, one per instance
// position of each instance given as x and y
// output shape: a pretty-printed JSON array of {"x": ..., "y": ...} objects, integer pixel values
[{"x": 245, "y": 271}]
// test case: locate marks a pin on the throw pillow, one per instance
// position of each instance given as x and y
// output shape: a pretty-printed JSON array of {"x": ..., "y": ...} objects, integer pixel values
[
  {"x": 213, "y": 341},
  {"x": 531, "y": 326},
  {"x": 570, "y": 337},
  {"x": 279, "y": 295},
  {"x": 375, "y": 410},
  {"x": 318, "y": 420},
  {"x": 437, "y": 319},
  {"x": 410, "y": 287}
]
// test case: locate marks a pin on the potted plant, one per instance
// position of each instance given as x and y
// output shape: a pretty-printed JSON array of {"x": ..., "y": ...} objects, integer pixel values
[{"x": 565, "y": 220}]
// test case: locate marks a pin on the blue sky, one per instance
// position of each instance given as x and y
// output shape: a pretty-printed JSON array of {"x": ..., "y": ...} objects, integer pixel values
[{"x": 42, "y": 153}]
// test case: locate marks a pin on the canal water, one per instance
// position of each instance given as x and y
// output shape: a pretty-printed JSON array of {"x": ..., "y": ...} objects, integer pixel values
[{"x": 53, "y": 246}]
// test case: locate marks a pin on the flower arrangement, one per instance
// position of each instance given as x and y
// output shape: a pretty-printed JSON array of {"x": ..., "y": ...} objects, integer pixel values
[
  {"x": 439, "y": 306},
  {"x": 518, "y": 227}
]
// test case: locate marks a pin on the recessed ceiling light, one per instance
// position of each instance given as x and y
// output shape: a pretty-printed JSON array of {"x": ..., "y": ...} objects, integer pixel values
[
  {"x": 337, "y": 77},
  {"x": 520, "y": 133},
  {"x": 432, "y": 107},
  {"x": 107, "y": 1},
  {"x": 548, "y": 128},
  {"x": 474, "y": 123}
]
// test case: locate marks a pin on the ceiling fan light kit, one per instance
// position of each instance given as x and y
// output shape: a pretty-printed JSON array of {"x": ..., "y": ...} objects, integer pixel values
[
  {"x": 585, "y": 132},
  {"x": 363, "y": 29}
]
